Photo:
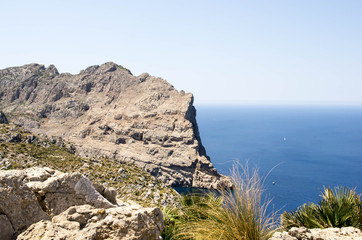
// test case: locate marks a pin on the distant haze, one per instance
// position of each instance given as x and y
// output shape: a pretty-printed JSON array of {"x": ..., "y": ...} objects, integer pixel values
[{"x": 225, "y": 52}]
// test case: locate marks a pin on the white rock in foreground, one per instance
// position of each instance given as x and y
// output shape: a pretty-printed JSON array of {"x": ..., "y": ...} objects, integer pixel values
[
  {"x": 89, "y": 223},
  {"x": 345, "y": 233},
  {"x": 57, "y": 191},
  {"x": 19, "y": 206},
  {"x": 30, "y": 198}
]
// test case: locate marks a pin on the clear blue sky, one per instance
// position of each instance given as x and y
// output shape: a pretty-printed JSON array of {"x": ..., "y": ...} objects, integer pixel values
[{"x": 225, "y": 52}]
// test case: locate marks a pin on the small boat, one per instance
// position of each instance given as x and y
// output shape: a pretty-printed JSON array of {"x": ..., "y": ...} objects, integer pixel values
[{"x": 285, "y": 139}]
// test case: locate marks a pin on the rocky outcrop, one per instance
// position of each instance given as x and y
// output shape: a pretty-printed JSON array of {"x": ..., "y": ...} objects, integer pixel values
[
  {"x": 19, "y": 206},
  {"x": 302, "y": 233},
  {"x": 47, "y": 204},
  {"x": 89, "y": 223},
  {"x": 57, "y": 191},
  {"x": 106, "y": 111}
]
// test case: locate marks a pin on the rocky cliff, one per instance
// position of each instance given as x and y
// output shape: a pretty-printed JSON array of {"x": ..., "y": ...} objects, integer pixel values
[{"x": 106, "y": 111}]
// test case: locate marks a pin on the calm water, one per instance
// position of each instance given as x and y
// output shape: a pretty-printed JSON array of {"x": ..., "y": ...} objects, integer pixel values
[{"x": 310, "y": 147}]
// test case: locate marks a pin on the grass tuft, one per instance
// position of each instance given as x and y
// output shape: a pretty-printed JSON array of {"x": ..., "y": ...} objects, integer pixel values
[{"x": 240, "y": 213}]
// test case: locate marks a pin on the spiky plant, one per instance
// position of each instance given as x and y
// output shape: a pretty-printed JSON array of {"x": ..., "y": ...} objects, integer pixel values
[
  {"x": 340, "y": 207},
  {"x": 237, "y": 214},
  {"x": 303, "y": 216}
]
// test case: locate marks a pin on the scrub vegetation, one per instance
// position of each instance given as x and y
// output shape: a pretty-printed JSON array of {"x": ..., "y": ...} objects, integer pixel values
[
  {"x": 131, "y": 182},
  {"x": 242, "y": 212},
  {"x": 338, "y": 207},
  {"x": 238, "y": 213}
]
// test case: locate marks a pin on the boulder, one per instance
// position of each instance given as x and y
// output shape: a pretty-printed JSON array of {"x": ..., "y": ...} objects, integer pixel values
[
  {"x": 6, "y": 229},
  {"x": 49, "y": 204},
  {"x": 18, "y": 204},
  {"x": 89, "y": 223},
  {"x": 57, "y": 191}
]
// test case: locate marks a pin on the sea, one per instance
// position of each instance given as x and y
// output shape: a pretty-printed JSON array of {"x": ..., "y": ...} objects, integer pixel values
[{"x": 300, "y": 150}]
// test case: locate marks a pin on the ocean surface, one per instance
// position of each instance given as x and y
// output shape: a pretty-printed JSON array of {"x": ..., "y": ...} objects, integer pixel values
[{"x": 302, "y": 148}]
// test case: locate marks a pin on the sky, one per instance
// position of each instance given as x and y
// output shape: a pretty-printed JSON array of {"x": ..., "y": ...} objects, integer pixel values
[{"x": 224, "y": 52}]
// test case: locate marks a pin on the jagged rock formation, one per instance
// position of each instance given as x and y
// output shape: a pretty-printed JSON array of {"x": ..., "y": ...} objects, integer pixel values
[
  {"x": 106, "y": 111},
  {"x": 302, "y": 233},
  {"x": 47, "y": 204}
]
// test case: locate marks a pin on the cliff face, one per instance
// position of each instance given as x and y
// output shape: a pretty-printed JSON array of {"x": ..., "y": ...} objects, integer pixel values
[{"x": 106, "y": 111}]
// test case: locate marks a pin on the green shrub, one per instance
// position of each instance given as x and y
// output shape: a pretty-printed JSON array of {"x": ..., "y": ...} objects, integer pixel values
[{"x": 340, "y": 207}]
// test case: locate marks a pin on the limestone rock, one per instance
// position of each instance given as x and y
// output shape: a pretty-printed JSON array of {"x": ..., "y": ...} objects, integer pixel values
[
  {"x": 6, "y": 229},
  {"x": 106, "y": 111},
  {"x": 109, "y": 193},
  {"x": 49, "y": 204},
  {"x": 302, "y": 233},
  {"x": 30, "y": 195},
  {"x": 18, "y": 204},
  {"x": 89, "y": 223},
  {"x": 58, "y": 191}
]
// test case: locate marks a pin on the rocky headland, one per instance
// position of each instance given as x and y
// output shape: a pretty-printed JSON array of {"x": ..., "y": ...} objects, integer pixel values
[
  {"x": 106, "y": 111},
  {"x": 93, "y": 155}
]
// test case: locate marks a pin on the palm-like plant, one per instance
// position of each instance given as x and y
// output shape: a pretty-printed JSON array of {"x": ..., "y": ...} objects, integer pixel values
[
  {"x": 340, "y": 207},
  {"x": 303, "y": 216}
]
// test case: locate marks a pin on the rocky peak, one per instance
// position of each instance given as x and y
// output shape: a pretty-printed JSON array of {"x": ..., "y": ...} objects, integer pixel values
[
  {"x": 52, "y": 71},
  {"x": 106, "y": 111},
  {"x": 107, "y": 67}
]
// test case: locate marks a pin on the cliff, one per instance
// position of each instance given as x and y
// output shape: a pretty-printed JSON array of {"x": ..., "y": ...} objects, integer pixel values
[{"x": 106, "y": 111}]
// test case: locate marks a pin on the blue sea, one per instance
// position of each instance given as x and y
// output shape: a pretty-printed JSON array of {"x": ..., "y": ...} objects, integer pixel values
[{"x": 305, "y": 148}]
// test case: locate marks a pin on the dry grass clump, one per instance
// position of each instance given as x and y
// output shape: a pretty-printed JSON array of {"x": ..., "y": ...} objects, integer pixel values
[{"x": 240, "y": 213}]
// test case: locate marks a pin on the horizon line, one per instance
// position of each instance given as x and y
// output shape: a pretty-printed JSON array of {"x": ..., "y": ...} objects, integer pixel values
[{"x": 290, "y": 104}]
